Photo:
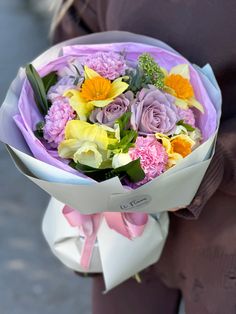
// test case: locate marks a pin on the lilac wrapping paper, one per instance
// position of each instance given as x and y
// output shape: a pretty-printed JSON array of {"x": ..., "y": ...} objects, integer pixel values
[{"x": 29, "y": 115}]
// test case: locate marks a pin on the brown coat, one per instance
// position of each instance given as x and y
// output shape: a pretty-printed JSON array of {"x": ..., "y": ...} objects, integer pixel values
[{"x": 200, "y": 254}]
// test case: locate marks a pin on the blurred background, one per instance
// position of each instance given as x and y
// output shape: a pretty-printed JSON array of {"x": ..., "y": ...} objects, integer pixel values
[{"x": 32, "y": 280}]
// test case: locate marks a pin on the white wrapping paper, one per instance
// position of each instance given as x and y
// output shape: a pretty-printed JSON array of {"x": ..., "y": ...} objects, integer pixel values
[{"x": 128, "y": 256}]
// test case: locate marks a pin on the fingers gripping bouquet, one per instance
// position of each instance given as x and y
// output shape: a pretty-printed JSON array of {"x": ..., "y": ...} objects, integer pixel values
[{"x": 115, "y": 132}]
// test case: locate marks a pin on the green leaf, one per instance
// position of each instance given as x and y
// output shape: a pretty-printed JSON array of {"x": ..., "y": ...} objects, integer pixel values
[
  {"x": 136, "y": 79},
  {"x": 126, "y": 119},
  {"x": 125, "y": 143},
  {"x": 49, "y": 80},
  {"x": 127, "y": 136},
  {"x": 37, "y": 85},
  {"x": 123, "y": 122},
  {"x": 188, "y": 127},
  {"x": 133, "y": 171},
  {"x": 39, "y": 129}
]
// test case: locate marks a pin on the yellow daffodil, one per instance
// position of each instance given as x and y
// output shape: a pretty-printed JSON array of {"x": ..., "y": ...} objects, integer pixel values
[
  {"x": 177, "y": 83},
  {"x": 77, "y": 103},
  {"x": 177, "y": 147},
  {"x": 112, "y": 132},
  {"x": 86, "y": 143},
  {"x": 88, "y": 154},
  {"x": 96, "y": 91}
]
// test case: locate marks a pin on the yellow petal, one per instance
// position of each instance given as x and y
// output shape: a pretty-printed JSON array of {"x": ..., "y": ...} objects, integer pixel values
[
  {"x": 89, "y": 155},
  {"x": 117, "y": 88},
  {"x": 81, "y": 107},
  {"x": 165, "y": 142},
  {"x": 117, "y": 131},
  {"x": 160, "y": 135},
  {"x": 194, "y": 103},
  {"x": 100, "y": 103},
  {"x": 84, "y": 131},
  {"x": 113, "y": 134},
  {"x": 165, "y": 72},
  {"x": 74, "y": 94},
  {"x": 181, "y": 103},
  {"x": 181, "y": 69},
  {"x": 174, "y": 159},
  {"x": 67, "y": 148},
  {"x": 89, "y": 73},
  {"x": 170, "y": 90},
  {"x": 183, "y": 137},
  {"x": 182, "y": 144}
]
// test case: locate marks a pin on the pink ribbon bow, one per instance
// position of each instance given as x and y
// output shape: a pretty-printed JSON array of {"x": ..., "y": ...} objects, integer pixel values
[{"x": 130, "y": 225}]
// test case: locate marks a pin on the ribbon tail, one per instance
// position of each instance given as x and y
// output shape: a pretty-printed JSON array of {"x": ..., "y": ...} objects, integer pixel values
[
  {"x": 87, "y": 252},
  {"x": 88, "y": 226},
  {"x": 89, "y": 243}
]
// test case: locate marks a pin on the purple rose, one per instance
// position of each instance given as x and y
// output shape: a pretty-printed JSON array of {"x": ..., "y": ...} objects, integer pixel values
[
  {"x": 154, "y": 112},
  {"x": 109, "y": 114}
]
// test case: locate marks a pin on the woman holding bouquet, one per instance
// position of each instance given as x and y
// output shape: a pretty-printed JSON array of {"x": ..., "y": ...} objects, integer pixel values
[{"x": 199, "y": 258}]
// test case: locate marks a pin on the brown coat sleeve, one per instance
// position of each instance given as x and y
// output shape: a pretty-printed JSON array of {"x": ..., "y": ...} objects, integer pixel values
[
  {"x": 220, "y": 174},
  {"x": 80, "y": 19}
]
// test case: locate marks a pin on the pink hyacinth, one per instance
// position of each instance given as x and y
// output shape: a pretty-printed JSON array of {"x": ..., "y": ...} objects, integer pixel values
[
  {"x": 56, "y": 119},
  {"x": 187, "y": 116},
  {"x": 153, "y": 157},
  {"x": 108, "y": 64}
]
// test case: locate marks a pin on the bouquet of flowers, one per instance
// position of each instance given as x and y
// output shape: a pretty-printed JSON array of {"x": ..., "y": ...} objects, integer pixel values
[{"x": 113, "y": 132}]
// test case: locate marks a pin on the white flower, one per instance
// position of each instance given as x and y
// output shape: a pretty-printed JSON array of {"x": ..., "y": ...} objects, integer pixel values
[{"x": 120, "y": 160}]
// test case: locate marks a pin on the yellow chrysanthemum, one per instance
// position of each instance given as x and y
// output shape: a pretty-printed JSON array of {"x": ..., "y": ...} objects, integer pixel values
[
  {"x": 96, "y": 91},
  {"x": 176, "y": 147},
  {"x": 177, "y": 83},
  {"x": 182, "y": 144},
  {"x": 96, "y": 88},
  {"x": 181, "y": 86}
]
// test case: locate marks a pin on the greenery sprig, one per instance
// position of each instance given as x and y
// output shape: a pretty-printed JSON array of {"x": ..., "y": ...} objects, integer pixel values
[
  {"x": 151, "y": 70},
  {"x": 147, "y": 72},
  {"x": 127, "y": 137}
]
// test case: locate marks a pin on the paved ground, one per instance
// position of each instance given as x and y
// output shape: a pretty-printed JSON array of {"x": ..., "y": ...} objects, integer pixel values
[{"x": 32, "y": 281}]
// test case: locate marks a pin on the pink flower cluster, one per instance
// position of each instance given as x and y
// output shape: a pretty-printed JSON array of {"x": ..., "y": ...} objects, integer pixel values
[
  {"x": 55, "y": 121},
  {"x": 108, "y": 64},
  {"x": 152, "y": 155}
]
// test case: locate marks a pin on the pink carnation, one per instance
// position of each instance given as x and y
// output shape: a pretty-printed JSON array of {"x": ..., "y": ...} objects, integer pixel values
[
  {"x": 153, "y": 157},
  {"x": 108, "y": 64},
  {"x": 55, "y": 121},
  {"x": 187, "y": 116}
]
